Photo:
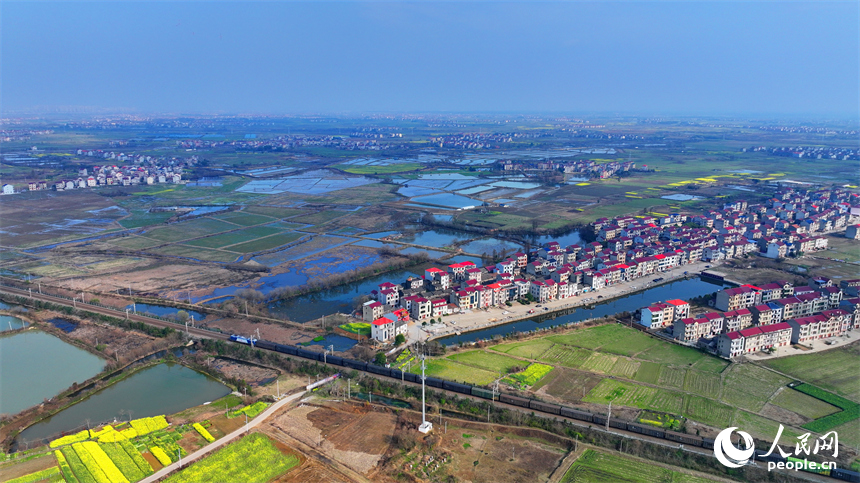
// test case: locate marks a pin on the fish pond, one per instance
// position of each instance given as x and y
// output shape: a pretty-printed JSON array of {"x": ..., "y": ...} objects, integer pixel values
[
  {"x": 33, "y": 355},
  {"x": 161, "y": 389}
]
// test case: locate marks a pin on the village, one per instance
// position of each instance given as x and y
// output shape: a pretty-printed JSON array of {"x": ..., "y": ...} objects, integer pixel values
[{"x": 629, "y": 248}]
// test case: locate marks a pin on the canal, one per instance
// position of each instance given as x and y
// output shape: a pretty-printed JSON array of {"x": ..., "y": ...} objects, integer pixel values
[{"x": 681, "y": 289}]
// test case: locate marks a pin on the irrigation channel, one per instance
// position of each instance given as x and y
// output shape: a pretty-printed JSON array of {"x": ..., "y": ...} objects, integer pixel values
[{"x": 681, "y": 289}]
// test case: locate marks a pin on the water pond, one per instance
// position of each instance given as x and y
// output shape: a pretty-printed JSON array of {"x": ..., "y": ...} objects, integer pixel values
[
  {"x": 160, "y": 389},
  {"x": 34, "y": 355},
  {"x": 447, "y": 200},
  {"x": 339, "y": 299},
  {"x": 8, "y": 322},
  {"x": 163, "y": 311},
  {"x": 339, "y": 342}
]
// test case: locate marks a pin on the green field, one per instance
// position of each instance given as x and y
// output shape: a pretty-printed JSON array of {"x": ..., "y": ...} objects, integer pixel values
[
  {"x": 531, "y": 349},
  {"x": 244, "y": 219},
  {"x": 319, "y": 217},
  {"x": 360, "y": 328},
  {"x": 141, "y": 218},
  {"x": 565, "y": 355},
  {"x": 761, "y": 427},
  {"x": 452, "y": 371},
  {"x": 802, "y": 404},
  {"x": 274, "y": 211},
  {"x": 599, "y": 362},
  {"x": 253, "y": 459},
  {"x": 709, "y": 411},
  {"x": 266, "y": 243},
  {"x": 189, "y": 229},
  {"x": 835, "y": 369},
  {"x": 134, "y": 242},
  {"x": 668, "y": 353},
  {"x": 622, "y": 393},
  {"x": 235, "y": 237},
  {"x": 672, "y": 377},
  {"x": 595, "y": 337},
  {"x": 749, "y": 387},
  {"x": 198, "y": 253},
  {"x": 649, "y": 372},
  {"x": 629, "y": 343},
  {"x": 599, "y": 467},
  {"x": 705, "y": 383},
  {"x": 488, "y": 361}
]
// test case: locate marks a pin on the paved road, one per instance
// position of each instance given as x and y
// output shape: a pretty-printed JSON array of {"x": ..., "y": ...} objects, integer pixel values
[{"x": 226, "y": 439}]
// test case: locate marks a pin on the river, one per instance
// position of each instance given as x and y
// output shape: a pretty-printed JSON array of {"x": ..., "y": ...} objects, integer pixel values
[{"x": 681, "y": 289}]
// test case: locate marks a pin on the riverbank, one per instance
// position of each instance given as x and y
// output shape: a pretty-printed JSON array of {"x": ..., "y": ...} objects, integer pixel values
[{"x": 475, "y": 320}]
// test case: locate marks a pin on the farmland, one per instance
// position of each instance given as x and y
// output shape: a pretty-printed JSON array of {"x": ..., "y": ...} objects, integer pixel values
[
  {"x": 598, "y": 466},
  {"x": 253, "y": 459},
  {"x": 487, "y": 360},
  {"x": 835, "y": 369},
  {"x": 453, "y": 371}
]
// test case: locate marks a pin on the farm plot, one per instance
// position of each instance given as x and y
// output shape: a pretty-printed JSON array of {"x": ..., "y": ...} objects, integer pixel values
[
  {"x": 599, "y": 362},
  {"x": 266, "y": 243},
  {"x": 232, "y": 238},
  {"x": 190, "y": 229},
  {"x": 749, "y": 387},
  {"x": 487, "y": 360},
  {"x": 531, "y": 349},
  {"x": 566, "y": 356},
  {"x": 596, "y": 466},
  {"x": 710, "y": 364},
  {"x": 802, "y": 404},
  {"x": 244, "y": 219},
  {"x": 667, "y": 353},
  {"x": 593, "y": 337},
  {"x": 703, "y": 383},
  {"x": 709, "y": 412},
  {"x": 648, "y": 372},
  {"x": 667, "y": 401},
  {"x": 672, "y": 377},
  {"x": 253, "y": 459},
  {"x": 529, "y": 377},
  {"x": 625, "y": 367},
  {"x": 567, "y": 385},
  {"x": 849, "y": 433},
  {"x": 630, "y": 342},
  {"x": 198, "y": 253},
  {"x": 622, "y": 393},
  {"x": 134, "y": 242},
  {"x": 141, "y": 218},
  {"x": 452, "y": 371},
  {"x": 761, "y": 427},
  {"x": 277, "y": 212},
  {"x": 835, "y": 370}
]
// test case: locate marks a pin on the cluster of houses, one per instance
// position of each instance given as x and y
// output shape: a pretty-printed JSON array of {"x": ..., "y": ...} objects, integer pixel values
[
  {"x": 627, "y": 248},
  {"x": 113, "y": 175},
  {"x": 584, "y": 167},
  {"x": 809, "y": 152},
  {"x": 756, "y": 318},
  {"x": 788, "y": 224}
]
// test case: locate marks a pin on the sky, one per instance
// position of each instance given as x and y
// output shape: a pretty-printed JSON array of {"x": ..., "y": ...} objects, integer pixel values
[{"x": 616, "y": 57}]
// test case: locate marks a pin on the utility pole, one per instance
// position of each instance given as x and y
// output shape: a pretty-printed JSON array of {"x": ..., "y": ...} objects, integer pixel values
[
  {"x": 179, "y": 453},
  {"x": 40, "y": 287},
  {"x": 126, "y": 314},
  {"x": 609, "y": 415},
  {"x": 74, "y": 303}
]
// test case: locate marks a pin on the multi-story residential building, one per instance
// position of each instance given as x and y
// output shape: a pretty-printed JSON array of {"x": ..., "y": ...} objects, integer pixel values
[
  {"x": 738, "y": 298},
  {"x": 372, "y": 310}
]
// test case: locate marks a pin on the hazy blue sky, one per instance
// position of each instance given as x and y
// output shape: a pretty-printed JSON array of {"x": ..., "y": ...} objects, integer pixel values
[{"x": 292, "y": 57}]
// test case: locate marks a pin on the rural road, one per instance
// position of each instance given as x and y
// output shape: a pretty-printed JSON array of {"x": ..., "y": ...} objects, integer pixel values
[{"x": 226, "y": 439}]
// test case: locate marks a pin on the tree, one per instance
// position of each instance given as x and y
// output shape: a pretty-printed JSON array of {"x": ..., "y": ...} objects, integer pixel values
[
  {"x": 380, "y": 359},
  {"x": 400, "y": 339},
  {"x": 182, "y": 316}
]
